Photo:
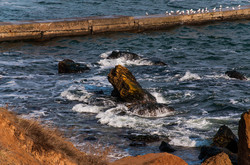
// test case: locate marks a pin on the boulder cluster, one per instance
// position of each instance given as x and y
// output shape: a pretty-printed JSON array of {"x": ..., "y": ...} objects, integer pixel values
[{"x": 226, "y": 148}]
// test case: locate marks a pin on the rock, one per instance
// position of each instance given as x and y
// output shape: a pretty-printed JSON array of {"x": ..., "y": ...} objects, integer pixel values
[
  {"x": 165, "y": 147},
  {"x": 132, "y": 56},
  {"x": 137, "y": 144},
  {"x": 156, "y": 61},
  {"x": 126, "y": 55},
  {"x": 143, "y": 138},
  {"x": 209, "y": 151},
  {"x": 151, "y": 159},
  {"x": 225, "y": 138},
  {"x": 90, "y": 138},
  {"x": 150, "y": 110},
  {"x": 126, "y": 88},
  {"x": 235, "y": 74},
  {"x": 69, "y": 66},
  {"x": 219, "y": 159},
  {"x": 244, "y": 139}
]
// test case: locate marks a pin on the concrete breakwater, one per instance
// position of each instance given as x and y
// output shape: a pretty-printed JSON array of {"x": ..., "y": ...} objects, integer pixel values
[{"x": 39, "y": 30}]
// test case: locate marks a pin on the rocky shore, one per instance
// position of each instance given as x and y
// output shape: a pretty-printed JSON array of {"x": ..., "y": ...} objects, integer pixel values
[{"x": 27, "y": 142}]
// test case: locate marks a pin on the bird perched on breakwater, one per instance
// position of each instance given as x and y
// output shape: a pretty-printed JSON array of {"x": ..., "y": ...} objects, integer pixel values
[
  {"x": 239, "y": 7},
  {"x": 146, "y": 13}
]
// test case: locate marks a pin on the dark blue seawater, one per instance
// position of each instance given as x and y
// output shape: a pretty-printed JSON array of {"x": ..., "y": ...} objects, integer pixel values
[{"x": 194, "y": 82}]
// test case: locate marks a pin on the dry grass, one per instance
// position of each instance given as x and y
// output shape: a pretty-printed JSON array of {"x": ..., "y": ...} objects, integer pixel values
[{"x": 46, "y": 139}]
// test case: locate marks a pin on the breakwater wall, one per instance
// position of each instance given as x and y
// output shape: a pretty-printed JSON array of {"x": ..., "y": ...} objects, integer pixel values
[{"x": 39, "y": 30}]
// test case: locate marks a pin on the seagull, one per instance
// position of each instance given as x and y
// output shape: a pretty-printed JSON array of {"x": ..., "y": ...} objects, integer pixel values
[
  {"x": 169, "y": 13},
  {"x": 202, "y": 10},
  {"x": 214, "y": 9},
  {"x": 233, "y": 8},
  {"x": 172, "y": 11},
  {"x": 227, "y": 7},
  {"x": 146, "y": 13},
  {"x": 177, "y": 11},
  {"x": 166, "y": 12},
  {"x": 199, "y": 10},
  {"x": 187, "y": 12},
  {"x": 239, "y": 6}
]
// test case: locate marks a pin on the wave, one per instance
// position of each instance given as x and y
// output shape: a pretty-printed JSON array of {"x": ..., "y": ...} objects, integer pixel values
[
  {"x": 190, "y": 76},
  {"x": 109, "y": 63}
]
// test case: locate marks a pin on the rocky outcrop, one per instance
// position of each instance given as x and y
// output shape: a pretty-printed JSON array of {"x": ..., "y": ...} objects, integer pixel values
[
  {"x": 235, "y": 74},
  {"x": 126, "y": 55},
  {"x": 219, "y": 159},
  {"x": 165, "y": 147},
  {"x": 151, "y": 159},
  {"x": 69, "y": 66},
  {"x": 27, "y": 142},
  {"x": 225, "y": 138},
  {"x": 126, "y": 88},
  {"x": 244, "y": 139}
]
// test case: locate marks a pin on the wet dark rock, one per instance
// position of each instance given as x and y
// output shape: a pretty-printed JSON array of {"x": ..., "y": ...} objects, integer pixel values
[
  {"x": 225, "y": 138},
  {"x": 90, "y": 138},
  {"x": 126, "y": 55},
  {"x": 69, "y": 66},
  {"x": 100, "y": 92},
  {"x": 235, "y": 74},
  {"x": 209, "y": 151},
  {"x": 156, "y": 61},
  {"x": 150, "y": 109},
  {"x": 143, "y": 138},
  {"x": 165, "y": 147},
  {"x": 137, "y": 144},
  {"x": 126, "y": 88}
]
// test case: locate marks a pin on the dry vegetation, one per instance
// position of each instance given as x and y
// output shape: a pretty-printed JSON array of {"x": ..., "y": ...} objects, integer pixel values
[{"x": 44, "y": 145}]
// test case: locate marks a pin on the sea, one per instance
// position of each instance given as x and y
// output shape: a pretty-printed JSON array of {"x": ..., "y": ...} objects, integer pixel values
[{"x": 80, "y": 105}]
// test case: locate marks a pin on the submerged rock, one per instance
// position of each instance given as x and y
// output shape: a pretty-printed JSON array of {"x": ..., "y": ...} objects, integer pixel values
[
  {"x": 126, "y": 55},
  {"x": 69, "y": 66},
  {"x": 126, "y": 88},
  {"x": 156, "y": 61},
  {"x": 143, "y": 138},
  {"x": 137, "y": 144},
  {"x": 219, "y": 159},
  {"x": 244, "y": 139},
  {"x": 165, "y": 147},
  {"x": 235, "y": 74},
  {"x": 150, "y": 110},
  {"x": 225, "y": 138}
]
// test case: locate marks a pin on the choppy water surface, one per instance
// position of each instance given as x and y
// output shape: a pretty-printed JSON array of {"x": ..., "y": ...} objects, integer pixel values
[{"x": 193, "y": 83}]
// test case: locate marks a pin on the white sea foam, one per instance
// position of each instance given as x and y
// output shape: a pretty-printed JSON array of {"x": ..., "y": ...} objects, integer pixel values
[
  {"x": 217, "y": 76},
  {"x": 185, "y": 141},
  {"x": 232, "y": 101},
  {"x": 76, "y": 93},
  {"x": 86, "y": 108},
  {"x": 159, "y": 98},
  {"x": 34, "y": 114},
  {"x": 109, "y": 63},
  {"x": 190, "y": 76}
]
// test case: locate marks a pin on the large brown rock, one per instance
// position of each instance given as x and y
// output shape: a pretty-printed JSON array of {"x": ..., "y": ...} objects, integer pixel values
[
  {"x": 219, "y": 159},
  {"x": 151, "y": 159},
  {"x": 244, "y": 139},
  {"x": 126, "y": 87}
]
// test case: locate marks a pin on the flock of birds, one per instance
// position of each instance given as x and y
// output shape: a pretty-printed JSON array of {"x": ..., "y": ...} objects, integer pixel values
[{"x": 191, "y": 11}]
